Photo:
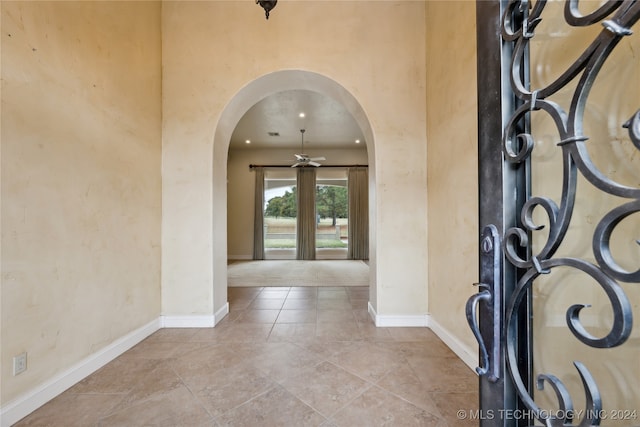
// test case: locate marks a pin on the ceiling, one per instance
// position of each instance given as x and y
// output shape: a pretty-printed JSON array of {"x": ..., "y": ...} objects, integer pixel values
[{"x": 275, "y": 122}]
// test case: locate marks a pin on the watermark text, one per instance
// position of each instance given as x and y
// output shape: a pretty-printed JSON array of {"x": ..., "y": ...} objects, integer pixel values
[{"x": 519, "y": 414}]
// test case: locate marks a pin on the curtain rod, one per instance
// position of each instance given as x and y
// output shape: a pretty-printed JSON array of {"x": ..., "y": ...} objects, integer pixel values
[{"x": 320, "y": 167}]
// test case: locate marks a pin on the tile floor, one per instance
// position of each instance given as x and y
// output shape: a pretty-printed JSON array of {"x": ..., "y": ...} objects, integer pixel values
[{"x": 282, "y": 357}]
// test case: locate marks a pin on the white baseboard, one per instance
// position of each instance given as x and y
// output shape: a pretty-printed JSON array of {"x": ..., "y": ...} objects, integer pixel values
[
  {"x": 467, "y": 355},
  {"x": 195, "y": 321},
  {"x": 399, "y": 320},
  {"x": 220, "y": 314},
  {"x": 23, "y": 405}
]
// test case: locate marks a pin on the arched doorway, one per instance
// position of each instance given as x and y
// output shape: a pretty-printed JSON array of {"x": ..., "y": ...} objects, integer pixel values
[{"x": 253, "y": 92}]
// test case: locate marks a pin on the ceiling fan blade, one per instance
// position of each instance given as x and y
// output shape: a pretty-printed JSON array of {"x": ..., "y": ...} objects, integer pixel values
[
  {"x": 300, "y": 156},
  {"x": 317, "y": 158},
  {"x": 314, "y": 164}
]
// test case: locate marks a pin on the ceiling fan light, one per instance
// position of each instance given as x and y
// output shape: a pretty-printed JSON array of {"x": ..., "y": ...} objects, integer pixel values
[{"x": 303, "y": 159}]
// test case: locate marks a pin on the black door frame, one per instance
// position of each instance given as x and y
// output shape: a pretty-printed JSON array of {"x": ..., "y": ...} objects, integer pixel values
[{"x": 496, "y": 104}]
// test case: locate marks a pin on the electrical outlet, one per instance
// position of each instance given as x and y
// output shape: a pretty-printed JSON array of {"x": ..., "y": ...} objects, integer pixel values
[{"x": 19, "y": 363}]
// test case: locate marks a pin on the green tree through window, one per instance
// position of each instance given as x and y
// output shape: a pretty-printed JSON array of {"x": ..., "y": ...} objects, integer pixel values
[
  {"x": 331, "y": 202},
  {"x": 282, "y": 206}
]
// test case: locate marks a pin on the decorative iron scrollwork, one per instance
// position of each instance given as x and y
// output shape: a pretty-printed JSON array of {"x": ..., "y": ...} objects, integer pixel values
[{"x": 518, "y": 26}]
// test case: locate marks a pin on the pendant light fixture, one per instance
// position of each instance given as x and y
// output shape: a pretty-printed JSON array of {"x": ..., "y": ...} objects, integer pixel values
[{"x": 267, "y": 5}]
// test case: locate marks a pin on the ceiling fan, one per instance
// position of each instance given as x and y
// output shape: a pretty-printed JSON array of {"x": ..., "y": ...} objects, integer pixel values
[{"x": 303, "y": 159}]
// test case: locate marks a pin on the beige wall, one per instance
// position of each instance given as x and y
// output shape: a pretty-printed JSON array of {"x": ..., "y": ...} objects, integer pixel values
[
  {"x": 452, "y": 166},
  {"x": 240, "y": 188},
  {"x": 81, "y": 168},
  {"x": 80, "y": 181},
  {"x": 374, "y": 50},
  {"x": 81, "y": 212}
]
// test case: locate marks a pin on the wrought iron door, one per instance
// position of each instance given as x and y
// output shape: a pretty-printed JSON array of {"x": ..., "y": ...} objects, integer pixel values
[{"x": 559, "y": 144}]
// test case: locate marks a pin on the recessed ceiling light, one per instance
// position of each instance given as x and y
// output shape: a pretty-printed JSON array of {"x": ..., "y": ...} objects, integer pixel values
[
  {"x": 357, "y": 141},
  {"x": 248, "y": 141},
  {"x": 301, "y": 115}
]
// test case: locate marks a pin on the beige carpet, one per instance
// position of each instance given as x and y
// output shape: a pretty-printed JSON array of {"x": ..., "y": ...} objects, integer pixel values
[{"x": 298, "y": 273}]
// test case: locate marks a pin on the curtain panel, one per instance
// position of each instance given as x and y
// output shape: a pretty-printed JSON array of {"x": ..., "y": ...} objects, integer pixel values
[
  {"x": 258, "y": 215},
  {"x": 358, "y": 190},
  {"x": 306, "y": 218}
]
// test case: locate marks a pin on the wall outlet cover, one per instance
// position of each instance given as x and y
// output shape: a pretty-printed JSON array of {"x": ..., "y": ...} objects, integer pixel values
[{"x": 19, "y": 363}]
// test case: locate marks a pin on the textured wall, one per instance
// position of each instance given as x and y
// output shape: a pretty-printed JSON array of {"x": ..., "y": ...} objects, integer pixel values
[
  {"x": 81, "y": 157},
  {"x": 80, "y": 181},
  {"x": 212, "y": 51},
  {"x": 452, "y": 164}
]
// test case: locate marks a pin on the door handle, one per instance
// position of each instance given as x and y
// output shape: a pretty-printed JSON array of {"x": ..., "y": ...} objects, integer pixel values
[
  {"x": 490, "y": 296},
  {"x": 471, "y": 309}
]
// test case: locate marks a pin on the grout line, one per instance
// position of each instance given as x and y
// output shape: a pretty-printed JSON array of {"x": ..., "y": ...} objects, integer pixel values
[{"x": 349, "y": 402}]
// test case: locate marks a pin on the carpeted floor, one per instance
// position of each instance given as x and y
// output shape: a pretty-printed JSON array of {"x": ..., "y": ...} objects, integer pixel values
[{"x": 298, "y": 273}]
